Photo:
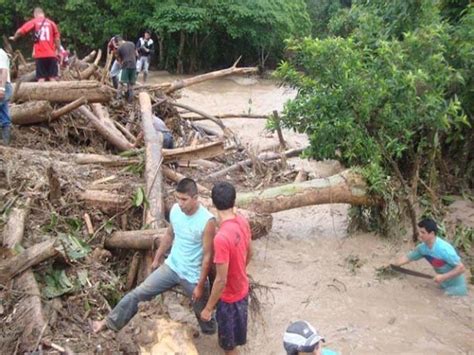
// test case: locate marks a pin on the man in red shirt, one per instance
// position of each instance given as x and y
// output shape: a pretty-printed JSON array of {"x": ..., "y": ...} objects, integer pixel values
[
  {"x": 232, "y": 252},
  {"x": 46, "y": 46}
]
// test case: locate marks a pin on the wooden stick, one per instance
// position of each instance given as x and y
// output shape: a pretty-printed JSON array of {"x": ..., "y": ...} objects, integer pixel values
[
  {"x": 132, "y": 272},
  {"x": 266, "y": 156},
  {"x": 227, "y": 116},
  {"x": 90, "y": 227},
  {"x": 68, "y": 108},
  {"x": 278, "y": 129}
]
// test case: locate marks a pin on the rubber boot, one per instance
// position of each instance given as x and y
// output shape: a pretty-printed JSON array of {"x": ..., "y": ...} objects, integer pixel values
[
  {"x": 6, "y": 135},
  {"x": 145, "y": 76},
  {"x": 129, "y": 95}
]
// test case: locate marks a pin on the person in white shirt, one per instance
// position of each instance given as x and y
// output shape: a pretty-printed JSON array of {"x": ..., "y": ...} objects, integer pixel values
[{"x": 145, "y": 49}]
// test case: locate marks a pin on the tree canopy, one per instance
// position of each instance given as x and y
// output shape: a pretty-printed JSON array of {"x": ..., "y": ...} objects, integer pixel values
[
  {"x": 388, "y": 88},
  {"x": 192, "y": 35}
]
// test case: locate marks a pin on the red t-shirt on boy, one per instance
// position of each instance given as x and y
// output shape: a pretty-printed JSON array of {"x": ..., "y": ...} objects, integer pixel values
[
  {"x": 44, "y": 47},
  {"x": 231, "y": 245}
]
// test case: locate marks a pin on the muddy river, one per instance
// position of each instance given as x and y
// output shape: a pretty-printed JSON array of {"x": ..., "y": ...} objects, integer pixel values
[{"x": 320, "y": 273}]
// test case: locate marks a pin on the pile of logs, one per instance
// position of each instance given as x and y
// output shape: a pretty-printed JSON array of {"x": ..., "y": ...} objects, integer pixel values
[{"x": 86, "y": 93}]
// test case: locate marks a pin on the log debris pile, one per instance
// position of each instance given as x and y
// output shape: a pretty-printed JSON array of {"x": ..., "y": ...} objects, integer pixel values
[{"x": 80, "y": 193}]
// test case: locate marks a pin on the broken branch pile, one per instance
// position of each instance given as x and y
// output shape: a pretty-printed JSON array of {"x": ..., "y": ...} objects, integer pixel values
[{"x": 93, "y": 194}]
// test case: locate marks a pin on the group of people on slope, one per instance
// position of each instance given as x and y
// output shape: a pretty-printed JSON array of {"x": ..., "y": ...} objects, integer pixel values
[
  {"x": 50, "y": 56},
  {"x": 130, "y": 60}
]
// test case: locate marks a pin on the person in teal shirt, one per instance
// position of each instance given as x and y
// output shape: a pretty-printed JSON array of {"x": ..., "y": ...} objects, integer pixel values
[
  {"x": 442, "y": 256},
  {"x": 190, "y": 236},
  {"x": 301, "y": 337}
]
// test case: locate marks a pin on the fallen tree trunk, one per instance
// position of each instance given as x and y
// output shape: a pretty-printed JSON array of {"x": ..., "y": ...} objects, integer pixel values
[
  {"x": 145, "y": 239},
  {"x": 41, "y": 111},
  {"x": 182, "y": 83},
  {"x": 154, "y": 215},
  {"x": 112, "y": 135},
  {"x": 31, "y": 112},
  {"x": 227, "y": 116},
  {"x": 28, "y": 316},
  {"x": 201, "y": 151},
  {"x": 26, "y": 259},
  {"x": 64, "y": 91},
  {"x": 106, "y": 160},
  {"x": 88, "y": 72},
  {"x": 105, "y": 201},
  {"x": 345, "y": 187},
  {"x": 206, "y": 116},
  {"x": 266, "y": 156}
]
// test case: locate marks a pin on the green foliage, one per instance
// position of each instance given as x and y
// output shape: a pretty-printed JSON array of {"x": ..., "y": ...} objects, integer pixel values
[
  {"x": 382, "y": 96},
  {"x": 139, "y": 198}
]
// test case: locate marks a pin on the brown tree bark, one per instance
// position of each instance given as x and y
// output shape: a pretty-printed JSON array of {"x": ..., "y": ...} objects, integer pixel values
[
  {"x": 29, "y": 316},
  {"x": 26, "y": 259},
  {"x": 145, "y": 239},
  {"x": 64, "y": 91},
  {"x": 346, "y": 187},
  {"x": 105, "y": 201},
  {"x": 106, "y": 160},
  {"x": 182, "y": 83},
  {"x": 154, "y": 216},
  {"x": 31, "y": 112},
  {"x": 107, "y": 129},
  {"x": 201, "y": 151},
  {"x": 266, "y": 156}
]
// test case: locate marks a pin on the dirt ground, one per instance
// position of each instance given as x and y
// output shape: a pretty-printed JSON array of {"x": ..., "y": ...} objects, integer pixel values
[{"x": 318, "y": 272}]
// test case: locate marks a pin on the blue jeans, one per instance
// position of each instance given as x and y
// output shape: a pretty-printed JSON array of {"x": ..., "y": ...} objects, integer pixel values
[
  {"x": 159, "y": 281},
  {"x": 5, "y": 119}
]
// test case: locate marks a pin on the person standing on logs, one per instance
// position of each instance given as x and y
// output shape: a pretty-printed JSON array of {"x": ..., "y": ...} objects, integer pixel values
[
  {"x": 442, "y": 256},
  {"x": 47, "y": 44},
  {"x": 127, "y": 57},
  {"x": 232, "y": 253},
  {"x": 112, "y": 47},
  {"x": 190, "y": 235},
  {"x": 5, "y": 94},
  {"x": 145, "y": 49}
]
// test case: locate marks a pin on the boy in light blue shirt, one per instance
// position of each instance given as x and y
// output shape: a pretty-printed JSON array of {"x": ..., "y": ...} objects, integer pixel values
[
  {"x": 190, "y": 236},
  {"x": 442, "y": 256}
]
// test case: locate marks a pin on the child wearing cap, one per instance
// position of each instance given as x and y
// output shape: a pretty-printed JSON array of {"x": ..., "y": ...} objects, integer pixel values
[{"x": 301, "y": 337}]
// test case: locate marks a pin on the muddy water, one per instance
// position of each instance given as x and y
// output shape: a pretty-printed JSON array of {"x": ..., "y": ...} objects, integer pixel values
[{"x": 305, "y": 261}]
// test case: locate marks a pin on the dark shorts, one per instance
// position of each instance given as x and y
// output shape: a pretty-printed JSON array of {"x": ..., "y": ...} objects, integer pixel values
[
  {"x": 232, "y": 323},
  {"x": 129, "y": 76},
  {"x": 46, "y": 68}
]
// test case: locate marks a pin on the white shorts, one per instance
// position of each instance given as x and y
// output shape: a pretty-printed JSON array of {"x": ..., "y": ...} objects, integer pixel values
[{"x": 143, "y": 63}]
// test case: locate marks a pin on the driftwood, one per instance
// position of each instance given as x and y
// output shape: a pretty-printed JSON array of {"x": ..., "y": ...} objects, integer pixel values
[
  {"x": 106, "y": 129},
  {"x": 176, "y": 177},
  {"x": 201, "y": 151},
  {"x": 132, "y": 272},
  {"x": 26, "y": 259},
  {"x": 227, "y": 116},
  {"x": 266, "y": 156},
  {"x": 154, "y": 214},
  {"x": 179, "y": 84},
  {"x": 41, "y": 111},
  {"x": 106, "y": 160},
  {"x": 64, "y": 91},
  {"x": 139, "y": 240},
  {"x": 31, "y": 112},
  {"x": 88, "y": 72},
  {"x": 105, "y": 201},
  {"x": 227, "y": 132},
  {"x": 28, "y": 315},
  {"x": 345, "y": 187}
]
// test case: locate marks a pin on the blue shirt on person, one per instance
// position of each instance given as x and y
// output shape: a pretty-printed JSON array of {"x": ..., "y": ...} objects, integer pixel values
[
  {"x": 186, "y": 253},
  {"x": 443, "y": 257}
]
